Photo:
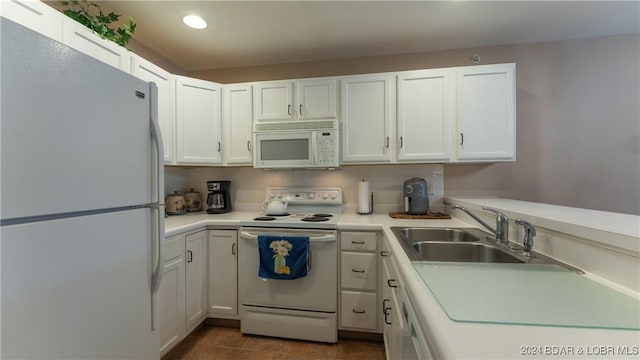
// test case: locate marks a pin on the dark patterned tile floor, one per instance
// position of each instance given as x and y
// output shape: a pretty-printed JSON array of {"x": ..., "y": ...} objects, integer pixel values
[{"x": 221, "y": 343}]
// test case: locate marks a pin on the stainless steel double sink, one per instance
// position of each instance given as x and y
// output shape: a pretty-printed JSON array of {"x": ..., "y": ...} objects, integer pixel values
[{"x": 462, "y": 245}]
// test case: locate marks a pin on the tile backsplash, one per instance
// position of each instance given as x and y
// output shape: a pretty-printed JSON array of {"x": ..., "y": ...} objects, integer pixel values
[{"x": 248, "y": 184}]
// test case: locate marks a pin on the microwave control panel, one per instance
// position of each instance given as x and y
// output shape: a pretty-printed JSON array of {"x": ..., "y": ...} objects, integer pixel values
[{"x": 327, "y": 143}]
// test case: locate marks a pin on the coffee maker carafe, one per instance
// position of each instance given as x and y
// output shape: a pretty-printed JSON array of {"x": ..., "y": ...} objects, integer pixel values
[{"x": 219, "y": 197}]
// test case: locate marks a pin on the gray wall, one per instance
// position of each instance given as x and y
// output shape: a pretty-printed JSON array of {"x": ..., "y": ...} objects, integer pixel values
[{"x": 578, "y": 118}]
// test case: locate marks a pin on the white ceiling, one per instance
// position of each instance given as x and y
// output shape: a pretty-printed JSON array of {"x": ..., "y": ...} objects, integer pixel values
[{"x": 251, "y": 33}]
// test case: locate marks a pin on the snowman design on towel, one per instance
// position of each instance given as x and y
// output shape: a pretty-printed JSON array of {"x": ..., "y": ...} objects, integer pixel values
[{"x": 281, "y": 250}]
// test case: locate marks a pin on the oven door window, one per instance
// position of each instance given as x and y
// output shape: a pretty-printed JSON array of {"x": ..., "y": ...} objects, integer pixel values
[{"x": 284, "y": 150}]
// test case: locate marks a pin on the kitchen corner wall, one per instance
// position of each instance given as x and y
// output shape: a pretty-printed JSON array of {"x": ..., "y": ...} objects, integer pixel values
[{"x": 248, "y": 184}]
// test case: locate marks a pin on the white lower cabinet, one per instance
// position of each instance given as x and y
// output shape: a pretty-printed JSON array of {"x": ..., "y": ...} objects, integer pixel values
[
  {"x": 171, "y": 295},
  {"x": 391, "y": 309},
  {"x": 196, "y": 276},
  {"x": 359, "y": 281},
  {"x": 403, "y": 336},
  {"x": 223, "y": 274},
  {"x": 182, "y": 294}
]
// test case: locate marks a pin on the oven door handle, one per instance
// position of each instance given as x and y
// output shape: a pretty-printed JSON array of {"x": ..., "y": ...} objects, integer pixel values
[{"x": 322, "y": 238}]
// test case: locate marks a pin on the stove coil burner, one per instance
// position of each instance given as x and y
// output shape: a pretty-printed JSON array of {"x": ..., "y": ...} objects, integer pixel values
[
  {"x": 278, "y": 215},
  {"x": 322, "y": 215},
  {"x": 264, "y": 218},
  {"x": 315, "y": 218}
]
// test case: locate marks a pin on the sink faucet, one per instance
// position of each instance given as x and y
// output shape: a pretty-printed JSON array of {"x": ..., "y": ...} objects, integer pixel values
[
  {"x": 529, "y": 233},
  {"x": 502, "y": 226},
  {"x": 456, "y": 206}
]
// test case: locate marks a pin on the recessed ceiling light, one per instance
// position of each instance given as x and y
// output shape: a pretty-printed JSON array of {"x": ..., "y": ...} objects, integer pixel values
[{"x": 195, "y": 22}]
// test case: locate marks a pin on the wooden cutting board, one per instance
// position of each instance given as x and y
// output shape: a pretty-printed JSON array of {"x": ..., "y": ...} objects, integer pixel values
[{"x": 432, "y": 216}]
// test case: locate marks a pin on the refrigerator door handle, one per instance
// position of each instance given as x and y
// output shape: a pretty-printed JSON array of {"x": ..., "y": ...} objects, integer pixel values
[{"x": 157, "y": 196}]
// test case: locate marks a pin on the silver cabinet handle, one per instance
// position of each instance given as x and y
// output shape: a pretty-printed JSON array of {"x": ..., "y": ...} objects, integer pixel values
[
  {"x": 358, "y": 311},
  {"x": 387, "y": 142},
  {"x": 389, "y": 283},
  {"x": 219, "y": 146},
  {"x": 233, "y": 249},
  {"x": 357, "y": 271},
  {"x": 289, "y": 110},
  {"x": 358, "y": 242},
  {"x": 461, "y": 138},
  {"x": 249, "y": 145},
  {"x": 401, "y": 142},
  {"x": 384, "y": 253},
  {"x": 385, "y": 311},
  {"x": 300, "y": 108},
  {"x": 189, "y": 256}
]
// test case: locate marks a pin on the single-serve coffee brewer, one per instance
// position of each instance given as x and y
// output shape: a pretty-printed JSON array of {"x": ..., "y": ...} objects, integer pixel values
[{"x": 219, "y": 197}]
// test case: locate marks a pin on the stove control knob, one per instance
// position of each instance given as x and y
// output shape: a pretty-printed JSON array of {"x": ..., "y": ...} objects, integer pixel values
[
  {"x": 279, "y": 195},
  {"x": 325, "y": 196},
  {"x": 333, "y": 196},
  {"x": 312, "y": 195},
  {"x": 272, "y": 195}
]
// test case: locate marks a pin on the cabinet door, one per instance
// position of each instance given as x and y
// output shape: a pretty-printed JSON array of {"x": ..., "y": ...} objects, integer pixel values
[
  {"x": 425, "y": 114},
  {"x": 147, "y": 71},
  {"x": 82, "y": 39},
  {"x": 223, "y": 272},
  {"x": 366, "y": 117},
  {"x": 34, "y": 15},
  {"x": 237, "y": 122},
  {"x": 273, "y": 101},
  {"x": 316, "y": 99},
  {"x": 196, "y": 275},
  {"x": 486, "y": 112},
  {"x": 198, "y": 114},
  {"x": 171, "y": 295}
]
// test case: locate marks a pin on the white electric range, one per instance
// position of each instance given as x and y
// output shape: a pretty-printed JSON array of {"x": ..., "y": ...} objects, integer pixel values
[
  {"x": 307, "y": 208},
  {"x": 303, "y": 308}
]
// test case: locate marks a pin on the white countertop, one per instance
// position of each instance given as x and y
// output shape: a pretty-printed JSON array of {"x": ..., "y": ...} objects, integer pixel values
[{"x": 461, "y": 340}]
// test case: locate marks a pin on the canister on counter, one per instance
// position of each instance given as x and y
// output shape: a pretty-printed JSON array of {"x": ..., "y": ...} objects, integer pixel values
[
  {"x": 193, "y": 201},
  {"x": 175, "y": 204}
]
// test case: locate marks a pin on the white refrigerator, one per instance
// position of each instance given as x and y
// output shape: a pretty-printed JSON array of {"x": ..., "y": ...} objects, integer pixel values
[{"x": 81, "y": 198}]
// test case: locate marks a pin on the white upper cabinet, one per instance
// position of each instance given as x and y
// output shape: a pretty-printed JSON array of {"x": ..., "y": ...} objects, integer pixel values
[
  {"x": 237, "y": 118},
  {"x": 316, "y": 99},
  {"x": 198, "y": 130},
  {"x": 34, "y": 15},
  {"x": 367, "y": 116},
  {"x": 83, "y": 39},
  {"x": 165, "y": 82},
  {"x": 486, "y": 113},
  {"x": 273, "y": 101},
  {"x": 295, "y": 100},
  {"x": 425, "y": 114}
]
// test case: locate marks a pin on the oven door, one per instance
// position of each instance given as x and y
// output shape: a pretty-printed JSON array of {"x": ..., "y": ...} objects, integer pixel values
[
  {"x": 318, "y": 291},
  {"x": 284, "y": 150}
]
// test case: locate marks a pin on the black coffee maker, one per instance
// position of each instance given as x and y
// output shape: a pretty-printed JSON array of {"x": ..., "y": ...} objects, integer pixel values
[{"x": 219, "y": 197}]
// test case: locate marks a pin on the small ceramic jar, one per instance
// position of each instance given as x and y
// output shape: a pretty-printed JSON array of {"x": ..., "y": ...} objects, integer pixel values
[
  {"x": 193, "y": 201},
  {"x": 175, "y": 203}
]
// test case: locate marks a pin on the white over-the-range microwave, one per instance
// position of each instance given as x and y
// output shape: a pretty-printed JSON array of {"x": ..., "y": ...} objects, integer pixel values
[{"x": 296, "y": 145}]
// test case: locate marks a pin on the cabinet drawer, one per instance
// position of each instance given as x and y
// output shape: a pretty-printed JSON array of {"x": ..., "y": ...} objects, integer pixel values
[
  {"x": 359, "y": 270},
  {"x": 358, "y": 310},
  {"x": 358, "y": 241}
]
